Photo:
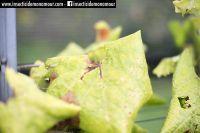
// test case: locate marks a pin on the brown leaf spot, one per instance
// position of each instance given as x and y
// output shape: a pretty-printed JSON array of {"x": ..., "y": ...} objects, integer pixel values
[
  {"x": 53, "y": 76},
  {"x": 69, "y": 98}
]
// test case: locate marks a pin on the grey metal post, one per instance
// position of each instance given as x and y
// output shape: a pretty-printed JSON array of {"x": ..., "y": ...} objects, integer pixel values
[{"x": 7, "y": 47}]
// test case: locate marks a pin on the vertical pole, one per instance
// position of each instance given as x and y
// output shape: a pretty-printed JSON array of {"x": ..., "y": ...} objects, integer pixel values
[{"x": 7, "y": 48}]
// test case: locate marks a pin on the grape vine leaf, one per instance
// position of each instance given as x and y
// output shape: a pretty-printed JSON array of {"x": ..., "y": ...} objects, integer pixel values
[
  {"x": 111, "y": 101},
  {"x": 187, "y": 6},
  {"x": 38, "y": 73},
  {"x": 31, "y": 110},
  {"x": 184, "y": 111},
  {"x": 166, "y": 66}
]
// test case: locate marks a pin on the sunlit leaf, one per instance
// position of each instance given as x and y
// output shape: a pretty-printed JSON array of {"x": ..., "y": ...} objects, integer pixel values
[
  {"x": 166, "y": 66},
  {"x": 114, "y": 89},
  {"x": 184, "y": 112},
  {"x": 31, "y": 110},
  {"x": 74, "y": 49}
]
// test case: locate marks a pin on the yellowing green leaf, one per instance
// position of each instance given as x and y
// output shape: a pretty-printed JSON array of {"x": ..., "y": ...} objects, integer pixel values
[
  {"x": 166, "y": 66},
  {"x": 187, "y": 6},
  {"x": 31, "y": 110},
  {"x": 111, "y": 101},
  {"x": 183, "y": 115},
  {"x": 39, "y": 73}
]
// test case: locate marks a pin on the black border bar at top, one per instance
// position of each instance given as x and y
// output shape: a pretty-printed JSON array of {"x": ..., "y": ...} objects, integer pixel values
[{"x": 58, "y": 4}]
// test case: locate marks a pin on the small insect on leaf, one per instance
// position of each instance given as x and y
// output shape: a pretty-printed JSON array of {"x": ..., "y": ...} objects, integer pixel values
[
  {"x": 91, "y": 66},
  {"x": 184, "y": 102}
]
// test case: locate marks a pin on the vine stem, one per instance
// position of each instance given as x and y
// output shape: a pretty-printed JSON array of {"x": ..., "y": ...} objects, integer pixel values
[{"x": 26, "y": 66}]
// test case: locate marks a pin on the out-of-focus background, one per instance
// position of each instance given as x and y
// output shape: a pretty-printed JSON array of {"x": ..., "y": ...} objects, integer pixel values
[{"x": 43, "y": 33}]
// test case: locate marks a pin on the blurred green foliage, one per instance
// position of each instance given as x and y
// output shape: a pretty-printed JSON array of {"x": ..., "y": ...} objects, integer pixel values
[{"x": 179, "y": 32}]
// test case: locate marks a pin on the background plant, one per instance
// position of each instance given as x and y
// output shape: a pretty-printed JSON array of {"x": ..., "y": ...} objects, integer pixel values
[
  {"x": 184, "y": 107},
  {"x": 185, "y": 33}
]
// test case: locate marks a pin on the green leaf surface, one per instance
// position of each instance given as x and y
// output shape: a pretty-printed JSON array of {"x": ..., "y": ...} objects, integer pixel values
[
  {"x": 184, "y": 111},
  {"x": 109, "y": 103},
  {"x": 166, "y": 67},
  {"x": 38, "y": 73},
  {"x": 187, "y": 6},
  {"x": 31, "y": 110}
]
